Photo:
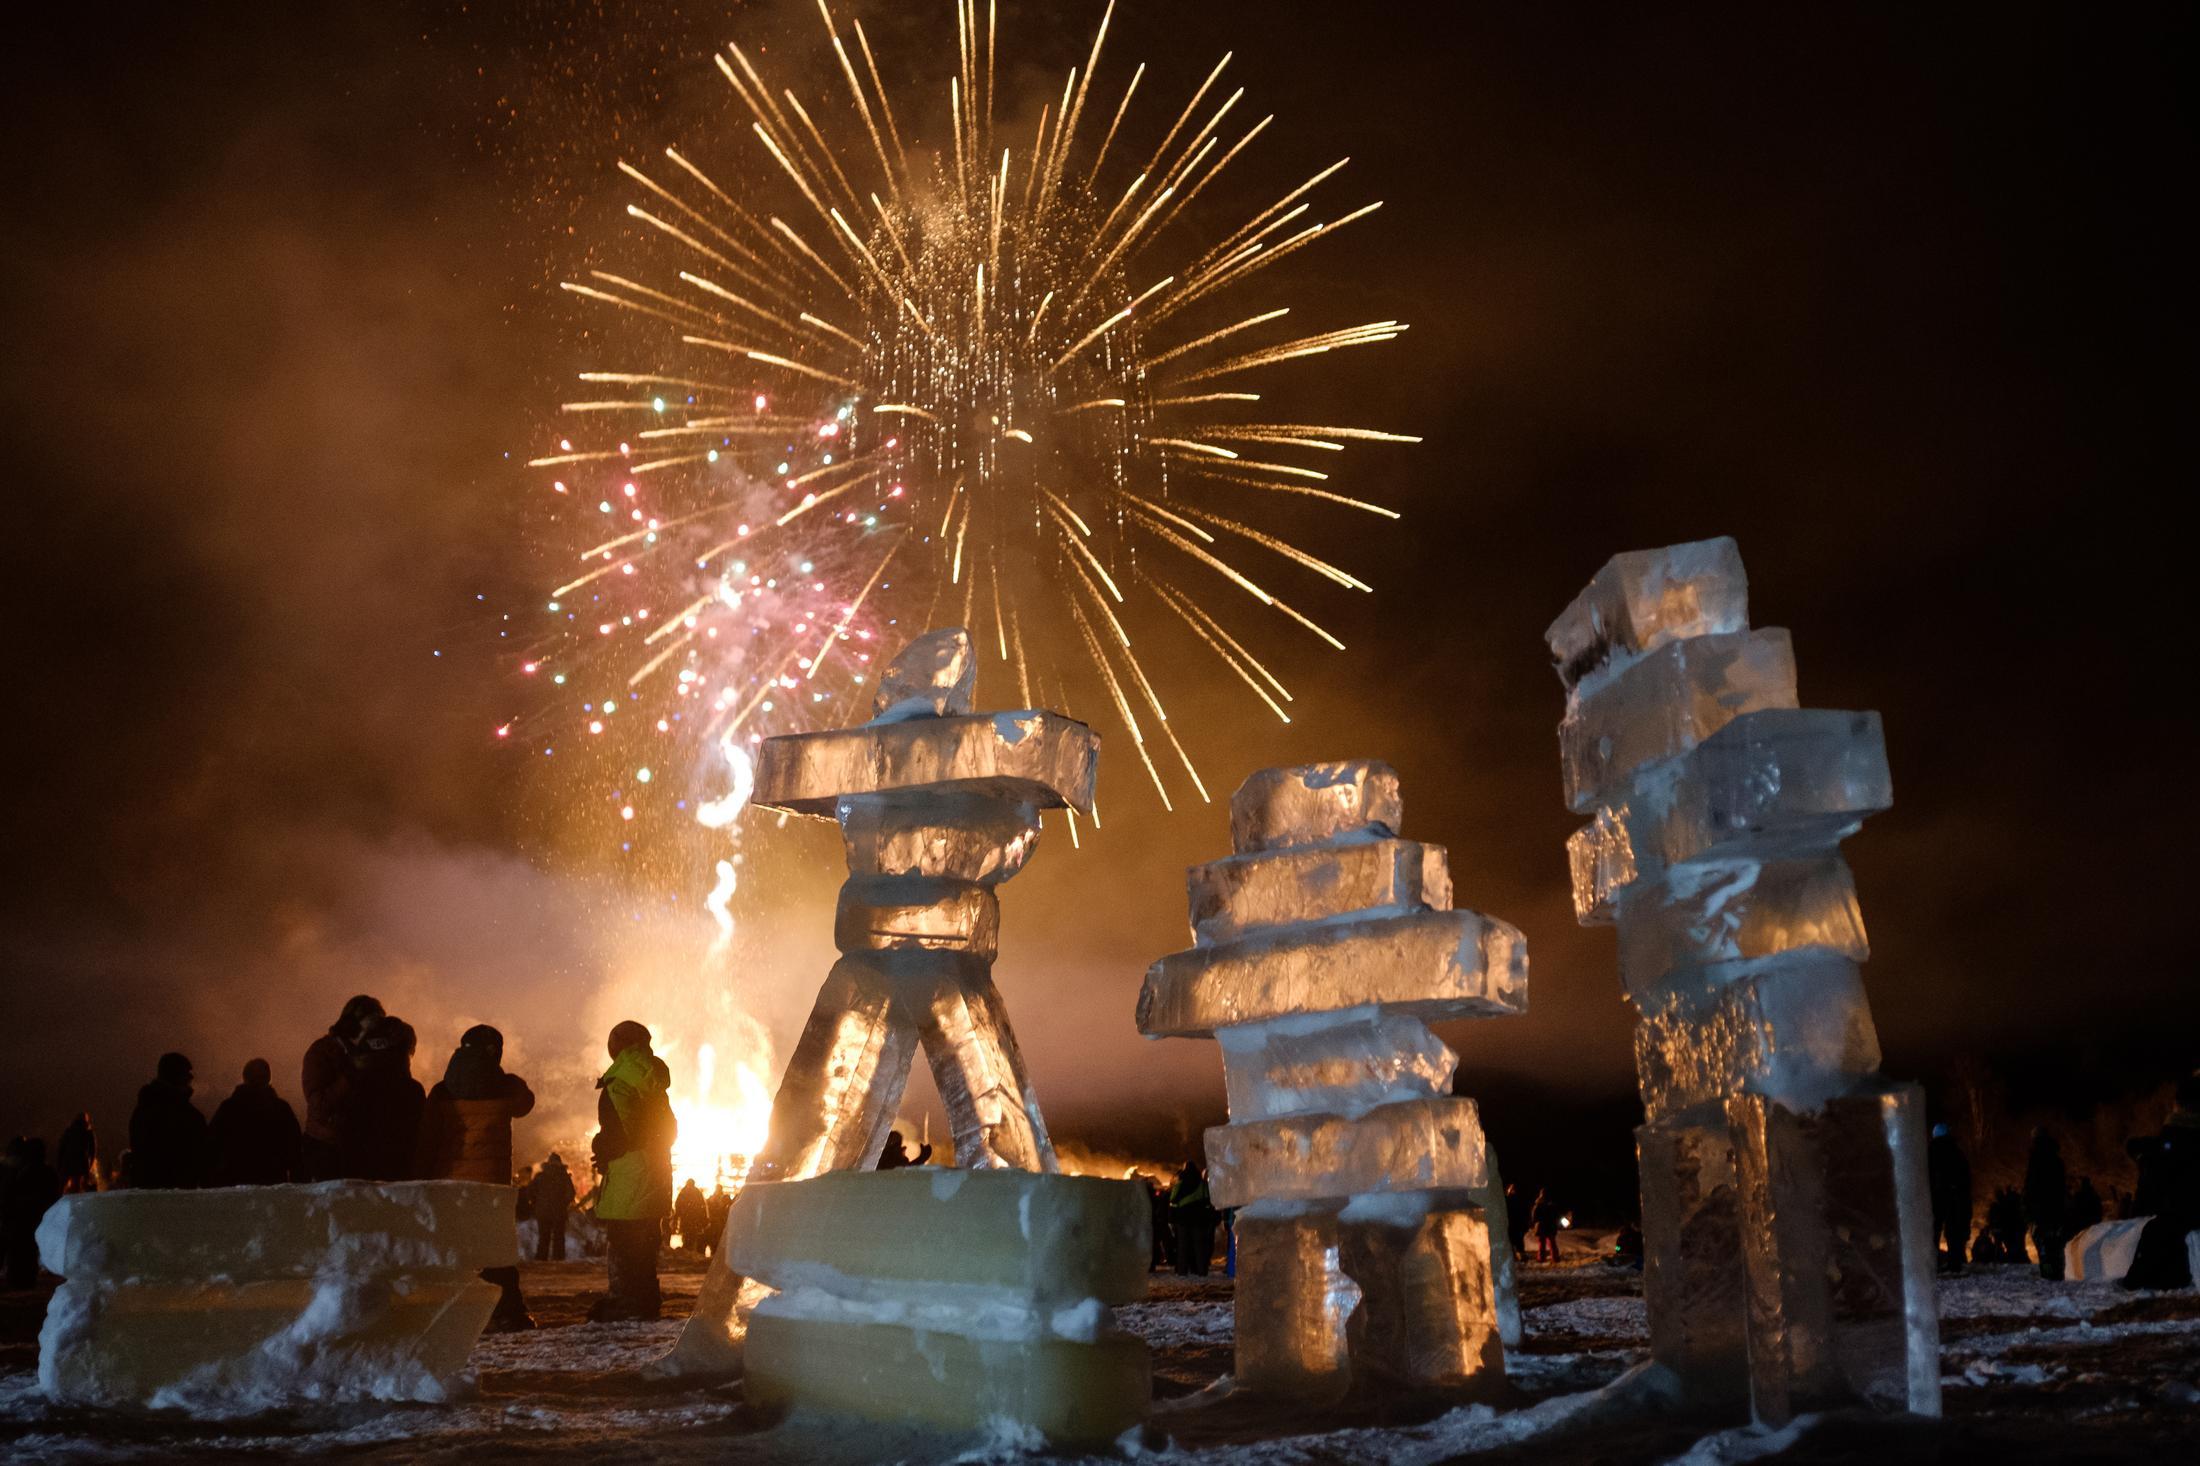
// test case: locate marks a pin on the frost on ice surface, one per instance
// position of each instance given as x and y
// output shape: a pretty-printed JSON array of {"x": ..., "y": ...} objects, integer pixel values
[
  {"x": 1411, "y": 1145},
  {"x": 1684, "y": 932},
  {"x": 1799, "y": 1030},
  {"x": 1346, "y": 1062},
  {"x": 1276, "y": 808},
  {"x": 1235, "y": 897}
]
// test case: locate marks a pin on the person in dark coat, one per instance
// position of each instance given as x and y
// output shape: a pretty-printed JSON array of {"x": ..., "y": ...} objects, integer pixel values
[
  {"x": 1192, "y": 1219},
  {"x": 76, "y": 1159},
  {"x": 896, "y": 1154},
  {"x": 1517, "y": 1208},
  {"x": 466, "y": 1135},
  {"x": 2085, "y": 1207},
  {"x": 1164, "y": 1238},
  {"x": 692, "y": 1213},
  {"x": 325, "y": 1080},
  {"x": 1948, "y": 1178},
  {"x": 379, "y": 1137},
  {"x": 2046, "y": 1200},
  {"x": 168, "y": 1142},
  {"x": 1546, "y": 1216},
  {"x": 27, "y": 1188},
  {"x": 2169, "y": 1193},
  {"x": 718, "y": 1209},
  {"x": 255, "y": 1133},
  {"x": 2002, "y": 1238},
  {"x": 552, "y": 1193}
]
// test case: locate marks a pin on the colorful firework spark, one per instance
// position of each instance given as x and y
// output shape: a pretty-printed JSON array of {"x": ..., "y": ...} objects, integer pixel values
[{"x": 996, "y": 380}]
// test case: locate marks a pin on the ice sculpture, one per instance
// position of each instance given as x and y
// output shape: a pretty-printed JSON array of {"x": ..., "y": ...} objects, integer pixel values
[
  {"x": 937, "y": 806},
  {"x": 961, "y": 1300},
  {"x": 1368, "y": 1195},
  {"x": 1788, "y": 1239},
  {"x": 254, "y": 1297}
]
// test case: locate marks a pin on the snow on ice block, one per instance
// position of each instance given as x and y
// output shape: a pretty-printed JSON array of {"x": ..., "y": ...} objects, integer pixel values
[
  {"x": 1800, "y": 1031},
  {"x": 1427, "y": 1319},
  {"x": 1029, "y": 757},
  {"x": 1345, "y": 1062},
  {"x": 933, "y": 676},
  {"x": 881, "y": 912},
  {"x": 1688, "y": 928},
  {"x": 1042, "y": 1240},
  {"x": 1665, "y": 704},
  {"x": 1073, "y": 1392},
  {"x": 1836, "y": 1229},
  {"x": 1781, "y": 782},
  {"x": 2102, "y": 1253},
  {"x": 1432, "y": 964},
  {"x": 239, "y": 1347},
  {"x": 1275, "y": 808},
  {"x": 1643, "y": 599},
  {"x": 937, "y": 832},
  {"x": 1230, "y": 898},
  {"x": 1692, "y": 1280},
  {"x": 360, "y": 1228},
  {"x": 1292, "y": 1300},
  {"x": 1415, "y": 1145}
]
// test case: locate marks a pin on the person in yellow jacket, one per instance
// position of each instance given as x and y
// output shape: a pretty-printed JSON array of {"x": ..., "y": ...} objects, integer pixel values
[{"x": 633, "y": 1153}]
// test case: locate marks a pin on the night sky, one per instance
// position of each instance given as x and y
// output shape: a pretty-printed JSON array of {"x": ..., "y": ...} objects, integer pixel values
[{"x": 1894, "y": 298}]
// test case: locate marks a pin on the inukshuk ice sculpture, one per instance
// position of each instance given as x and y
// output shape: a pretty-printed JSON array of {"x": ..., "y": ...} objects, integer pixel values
[
  {"x": 1322, "y": 949},
  {"x": 875, "y": 1312},
  {"x": 1784, "y": 1210}
]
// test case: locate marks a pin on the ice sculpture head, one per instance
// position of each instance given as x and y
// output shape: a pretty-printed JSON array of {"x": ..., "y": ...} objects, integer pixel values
[
  {"x": 934, "y": 676},
  {"x": 1643, "y": 599},
  {"x": 1275, "y": 808}
]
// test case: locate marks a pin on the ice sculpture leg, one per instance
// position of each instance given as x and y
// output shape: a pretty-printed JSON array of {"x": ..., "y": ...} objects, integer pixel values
[
  {"x": 1837, "y": 1253},
  {"x": 1692, "y": 1271},
  {"x": 1293, "y": 1300},
  {"x": 1427, "y": 1319},
  {"x": 837, "y": 1098},
  {"x": 980, "y": 1075},
  {"x": 1490, "y": 1196}
]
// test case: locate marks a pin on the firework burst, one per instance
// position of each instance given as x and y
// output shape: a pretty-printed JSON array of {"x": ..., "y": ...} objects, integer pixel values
[{"x": 1006, "y": 380}]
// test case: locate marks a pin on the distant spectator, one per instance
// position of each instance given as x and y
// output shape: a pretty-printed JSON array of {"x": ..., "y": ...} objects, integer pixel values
[
  {"x": 551, "y": 1194},
  {"x": 379, "y": 1135},
  {"x": 1192, "y": 1219},
  {"x": 28, "y": 1186},
  {"x": 2085, "y": 1206},
  {"x": 714, "y": 1231},
  {"x": 633, "y": 1146},
  {"x": 2046, "y": 1202},
  {"x": 1627, "y": 1247},
  {"x": 1546, "y": 1216},
  {"x": 895, "y": 1156},
  {"x": 1948, "y": 1179},
  {"x": 168, "y": 1141},
  {"x": 2169, "y": 1192},
  {"x": 692, "y": 1212},
  {"x": 255, "y": 1133},
  {"x": 77, "y": 1157},
  {"x": 2002, "y": 1240},
  {"x": 326, "y": 1082},
  {"x": 466, "y": 1135}
]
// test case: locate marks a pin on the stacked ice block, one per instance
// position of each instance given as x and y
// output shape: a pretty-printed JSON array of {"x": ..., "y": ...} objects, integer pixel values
[
  {"x": 252, "y": 1297},
  {"x": 937, "y": 806},
  {"x": 1783, "y": 1190},
  {"x": 1368, "y": 1196},
  {"x": 955, "y": 1299}
]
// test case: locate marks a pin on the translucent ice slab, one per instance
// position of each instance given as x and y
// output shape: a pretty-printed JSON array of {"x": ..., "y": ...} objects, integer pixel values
[
  {"x": 1692, "y": 1276},
  {"x": 937, "y": 832},
  {"x": 1733, "y": 911},
  {"x": 879, "y": 912},
  {"x": 1232, "y": 898},
  {"x": 1427, "y": 1318},
  {"x": 1414, "y": 1145},
  {"x": 1644, "y": 599},
  {"x": 978, "y": 1069},
  {"x": 1298, "y": 806},
  {"x": 1029, "y": 757},
  {"x": 1345, "y": 1062},
  {"x": 1836, "y": 1234},
  {"x": 932, "y": 677},
  {"x": 1433, "y": 964},
  {"x": 1667, "y": 703},
  {"x": 1799, "y": 1031},
  {"x": 1292, "y": 1300},
  {"x": 1781, "y": 782}
]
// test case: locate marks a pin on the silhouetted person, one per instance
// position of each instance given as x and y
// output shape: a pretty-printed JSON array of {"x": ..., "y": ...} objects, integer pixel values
[
  {"x": 466, "y": 1135},
  {"x": 1517, "y": 1209},
  {"x": 379, "y": 1137},
  {"x": 2002, "y": 1238},
  {"x": 896, "y": 1156},
  {"x": 255, "y": 1133},
  {"x": 719, "y": 1207},
  {"x": 326, "y": 1082},
  {"x": 633, "y": 1148},
  {"x": 2046, "y": 1200},
  {"x": 1546, "y": 1217},
  {"x": 1627, "y": 1247},
  {"x": 168, "y": 1142},
  {"x": 552, "y": 1194},
  {"x": 2169, "y": 1192},
  {"x": 1192, "y": 1219},
  {"x": 27, "y": 1188},
  {"x": 76, "y": 1159},
  {"x": 2085, "y": 1207},
  {"x": 1948, "y": 1178},
  {"x": 692, "y": 1213},
  {"x": 1157, "y": 1209}
]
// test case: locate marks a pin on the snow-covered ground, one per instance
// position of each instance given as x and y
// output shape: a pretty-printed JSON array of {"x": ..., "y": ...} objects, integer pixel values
[{"x": 2032, "y": 1370}]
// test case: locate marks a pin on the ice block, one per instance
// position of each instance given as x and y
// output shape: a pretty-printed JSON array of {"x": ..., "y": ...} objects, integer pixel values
[
  {"x": 967, "y": 836},
  {"x": 1731, "y": 911},
  {"x": 1836, "y": 1228},
  {"x": 1433, "y": 964},
  {"x": 1665, "y": 704},
  {"x": 1346, "y": 1062},
  {"x": 934, "y": 676},
  {"x": 1799, "y": 1031},
  {"x": 978, "y": 1070},
  {"x": 1028, "y": 757},
  {"x": 837, "y": 1097},
  {"x": 1231, "y": 898},
  {"x": 1692, "y": 1277},
  {"x": 1643, "y": 599},
  {"x": 1276, "y": 808},
  {"x": 880, "y": 912},
  {"x": 1427, "y": 1319},
  {"x": 249, "y": 1298},
  {"x": 1490, "y": 1196},
  {"x": 1292, "y": 1300},
  {"x": 1415, "y": 1145}
]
